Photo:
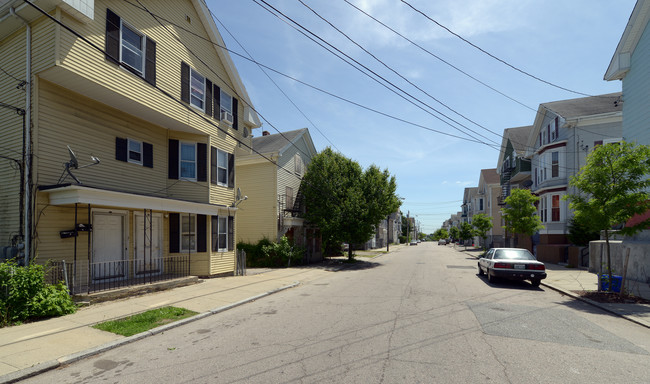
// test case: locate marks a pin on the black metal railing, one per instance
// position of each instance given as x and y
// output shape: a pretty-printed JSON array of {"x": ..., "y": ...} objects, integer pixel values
[
  {"x": 84, "y": 277},
  {"x": 118, "y": 274}
]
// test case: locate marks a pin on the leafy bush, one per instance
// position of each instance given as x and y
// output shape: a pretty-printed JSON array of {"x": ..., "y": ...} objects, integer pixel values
[
  {"x": 267, "y": 254},
  {"x": 580, "y": 233},
  {"x": 25, "y": 295}
]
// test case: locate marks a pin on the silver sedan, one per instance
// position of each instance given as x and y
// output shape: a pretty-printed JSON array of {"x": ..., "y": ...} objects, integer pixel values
[{"x": 512, "y": 264}]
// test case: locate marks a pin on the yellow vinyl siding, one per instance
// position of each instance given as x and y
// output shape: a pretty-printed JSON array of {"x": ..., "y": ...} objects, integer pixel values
[
  {"x": 287, "y": 176},
  {"x": 78, "y": 57},
  {"x": 53, "y": 219},
  {"x": 257, "y": 217},
  {"x": 90, "y": 128}
]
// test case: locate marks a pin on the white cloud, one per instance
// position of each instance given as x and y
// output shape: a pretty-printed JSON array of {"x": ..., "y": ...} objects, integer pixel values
[{"x": 467, "y": 18}]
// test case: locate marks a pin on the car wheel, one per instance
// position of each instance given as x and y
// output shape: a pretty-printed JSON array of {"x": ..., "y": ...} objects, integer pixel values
[
  {"x": 480, "y": 271},
  {"x": 535, "y": 282}
]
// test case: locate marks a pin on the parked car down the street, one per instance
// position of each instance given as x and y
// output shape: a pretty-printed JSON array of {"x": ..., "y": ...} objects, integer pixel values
[
  {"x": 413, "y": 242},
  {"x": 442, "y": 242},
  {"x": 512, "y": 264}
]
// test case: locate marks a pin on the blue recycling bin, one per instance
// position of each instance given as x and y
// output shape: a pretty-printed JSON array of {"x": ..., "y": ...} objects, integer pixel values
[{"x": 616, "y": 282}]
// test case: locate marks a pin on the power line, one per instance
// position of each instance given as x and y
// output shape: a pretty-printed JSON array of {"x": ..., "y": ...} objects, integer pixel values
[
  {"x": 491, "y": 55},
  {"x": 404, "y": 78},
  {"x": 306, "y": 32},
  {"x": 439, "y": 58},
  {"x": 271, "y": 79},
  {"x": 318, "y": 89}
]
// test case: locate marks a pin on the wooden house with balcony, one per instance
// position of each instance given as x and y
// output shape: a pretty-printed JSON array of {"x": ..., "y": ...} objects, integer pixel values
[{"x": 270, "y": 176}]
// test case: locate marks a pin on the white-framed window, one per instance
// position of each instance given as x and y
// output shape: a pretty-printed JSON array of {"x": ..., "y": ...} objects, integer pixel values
[
  {"x": 226, "y": 102},
  {"x": 222, "y": 167},
  {"x": 219, "y": 233},
  {"x": 197, "y": 89},
  {"x": 555, "y": 208},
  {"x": 134, "y": 152},
  {"x": 187, "y": 163},
  {"x": 188, "y": 233},
  {"x": 132, "y": 47},
  {"x": 555, "y": 164}
]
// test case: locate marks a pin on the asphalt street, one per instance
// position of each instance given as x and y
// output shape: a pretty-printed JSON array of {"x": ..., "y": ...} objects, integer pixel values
[{"x": 417, "y": 315}]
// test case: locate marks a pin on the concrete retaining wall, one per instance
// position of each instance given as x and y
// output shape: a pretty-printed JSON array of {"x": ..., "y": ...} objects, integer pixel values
[{"x": 638, "y": 268}]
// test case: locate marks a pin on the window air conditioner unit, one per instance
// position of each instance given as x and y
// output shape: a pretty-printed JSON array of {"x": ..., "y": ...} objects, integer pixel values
[{"x": 226, "y": 116}]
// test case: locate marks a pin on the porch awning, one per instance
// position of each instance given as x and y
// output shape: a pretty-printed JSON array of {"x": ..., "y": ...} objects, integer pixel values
[{"x": 71, "y": 194}]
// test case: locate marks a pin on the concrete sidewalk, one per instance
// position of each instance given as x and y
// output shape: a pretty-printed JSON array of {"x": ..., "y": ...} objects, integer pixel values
[
  {"x": 32, "y": 348},
  {"x": 569, "y": 281}
]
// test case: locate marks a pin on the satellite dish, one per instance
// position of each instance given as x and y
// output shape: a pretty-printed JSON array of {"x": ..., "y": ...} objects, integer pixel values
[
  {"x": 245, "y": 132},
  {"x": 74, "y": 163},
  {"x": 238, "y": 197},
  {"x": 527, "y": 183}
]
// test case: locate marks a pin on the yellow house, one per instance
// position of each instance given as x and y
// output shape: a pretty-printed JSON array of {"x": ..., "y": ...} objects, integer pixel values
[
  {"x": 273, "y": 204},
  {"x": 119, "y": 137}
]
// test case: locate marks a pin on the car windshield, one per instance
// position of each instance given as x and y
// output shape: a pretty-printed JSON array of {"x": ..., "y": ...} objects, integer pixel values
[{"x": 513, "y": 254}]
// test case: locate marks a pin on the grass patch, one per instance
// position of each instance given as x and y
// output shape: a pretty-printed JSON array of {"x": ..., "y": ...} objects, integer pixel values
[{"x": 145, "y": 321}]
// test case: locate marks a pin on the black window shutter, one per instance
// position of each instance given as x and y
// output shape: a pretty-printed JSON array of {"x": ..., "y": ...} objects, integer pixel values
[
  {"x": 217, "y": 102},
  {"x": 208, "y": 97},
  {"x": 150, "y": 62},
  {"x": 231, "y": 233},
  {"x": 185, "y": 82},
  {"x": 173, "y": 159},
  {"x": 235, "y": 114},
  {"x": 213, "y": 165},
  {"x": 201, "y": 162},
  {"x": 147, "y": 155},
  {"x": 231, "y": 170},
  {"x": 201, "y": 233},
  {"x": 112, "y": 36},
  {"x": 174, "y": 233},
  {"x": 121, "y": 146}
]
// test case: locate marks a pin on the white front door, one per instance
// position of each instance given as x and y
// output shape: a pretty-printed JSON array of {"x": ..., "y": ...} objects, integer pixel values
[
  {"x": 109, "y": 246},
  {"x": 148, "y": 243}
]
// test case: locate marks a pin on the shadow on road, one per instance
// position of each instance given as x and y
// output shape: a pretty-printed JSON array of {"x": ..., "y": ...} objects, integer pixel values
[{"x": 510, "y": 284}]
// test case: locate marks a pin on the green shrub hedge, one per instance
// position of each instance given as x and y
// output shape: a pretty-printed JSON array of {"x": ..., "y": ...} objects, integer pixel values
[
  {"x": 267, "y": 254},
  {"x": 24, "y": 295}
]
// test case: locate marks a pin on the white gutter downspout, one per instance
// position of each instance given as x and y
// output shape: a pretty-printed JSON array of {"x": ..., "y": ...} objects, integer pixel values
[{"x": 28, "y": 137}]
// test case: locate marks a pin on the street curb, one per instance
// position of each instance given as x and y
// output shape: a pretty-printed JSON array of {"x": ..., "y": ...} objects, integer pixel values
[
  {"x": 597, "y": 304},
  {"x": 38, "y": 369}
]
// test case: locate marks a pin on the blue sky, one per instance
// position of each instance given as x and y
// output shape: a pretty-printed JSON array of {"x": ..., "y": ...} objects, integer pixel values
[{"x": 568, "y": 43}]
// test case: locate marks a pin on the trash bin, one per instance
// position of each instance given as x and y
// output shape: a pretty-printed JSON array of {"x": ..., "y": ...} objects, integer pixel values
[{"x": 616, "y": 282}]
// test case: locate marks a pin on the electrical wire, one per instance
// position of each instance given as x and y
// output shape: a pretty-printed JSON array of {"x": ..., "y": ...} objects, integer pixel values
[
  {"x": 490, "y": 54},
  {"x": 405, "y": 78},
  {"x": 375, "y": 76},
  {"x": 270, "y": 78},
  {"x": 318, "y": 89}
]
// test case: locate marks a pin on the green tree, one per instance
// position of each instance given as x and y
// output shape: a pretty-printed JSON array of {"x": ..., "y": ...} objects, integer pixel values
[
  {"x": 466, "y": 232},
  {"x": 519, "y": 213},
  {"x": 454, "y": 233},
  {"x": 482, "y": 224},
  {"x": 345, "y": 202},
  {"x": 612, "y": 188},
  {"x": 440, "y": 234}
]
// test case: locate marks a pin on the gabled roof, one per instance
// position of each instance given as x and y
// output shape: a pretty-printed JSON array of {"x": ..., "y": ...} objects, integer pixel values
[
  {"x": 620, "y": 63},
  {"x": 574, "y": 109},
  {"x": 280, "y": 142},
  {"x": 585, "y": 106},
  {"x": 518, "y": 137},
  {"x": 490, "y": 176}
]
